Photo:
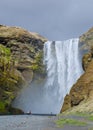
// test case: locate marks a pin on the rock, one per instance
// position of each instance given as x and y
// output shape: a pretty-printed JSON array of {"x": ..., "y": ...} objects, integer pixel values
[
  {"x": 81, "y": 94},
  {"x": 86, "y": 60},
  {"x": 66, "y": 104},
  {"x": 15, "y": 111},
  {"x": 86, "y": 39},
  {"x": 21, "y": 55},
  {"x": 81, "y": 91}
]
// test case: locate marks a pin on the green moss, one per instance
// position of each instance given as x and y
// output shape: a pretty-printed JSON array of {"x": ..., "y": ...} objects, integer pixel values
[
  {"x": 7, "y": 73},
  {"x": 3, "y": 106},
  {"x": 4, "y": 50},
  {"x": 90, "y": 118},
  {"x": 37, "y": 65},
  {"x": 64, "y": 121},
  {"x": 10, "y": 96},
  {"x": 5, "y": 58},
  {"x": 8, "y": 90},
  {"x": 10, "y": 80},
  {"x": 32, "y": 49},
  {"x": 90, "y": 128}
]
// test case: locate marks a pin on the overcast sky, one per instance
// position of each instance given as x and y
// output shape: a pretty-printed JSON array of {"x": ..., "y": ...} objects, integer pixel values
[{"x": 54, "y": 19}]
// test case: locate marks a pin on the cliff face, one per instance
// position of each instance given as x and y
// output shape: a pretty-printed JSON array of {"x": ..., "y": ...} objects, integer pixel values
[
  {"x": 80, "y": 97},
  {"x": 20, "y": 60},
  {"x": 87, "y": 39}
]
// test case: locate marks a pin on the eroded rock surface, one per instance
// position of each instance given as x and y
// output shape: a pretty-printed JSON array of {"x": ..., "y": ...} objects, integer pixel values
[
  {"x": 21, "y": 55},
  {"x": 81, "y": 94}
]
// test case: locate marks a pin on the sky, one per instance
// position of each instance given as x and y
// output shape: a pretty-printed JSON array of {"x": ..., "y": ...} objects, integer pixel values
[{"x": 53, "y": 19}]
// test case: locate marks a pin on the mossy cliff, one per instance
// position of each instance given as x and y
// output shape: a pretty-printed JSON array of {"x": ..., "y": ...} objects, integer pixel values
[
  {"x": 80, "y": 97},
  {"x": 20, "y": 60}
]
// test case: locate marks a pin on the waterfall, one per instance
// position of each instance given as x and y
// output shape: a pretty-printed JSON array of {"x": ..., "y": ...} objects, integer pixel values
[{"x": 63, "y": 67}]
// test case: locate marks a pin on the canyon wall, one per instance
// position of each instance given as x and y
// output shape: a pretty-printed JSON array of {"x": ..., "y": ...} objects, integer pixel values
[
  {"x": 20, "y": 60},
  {"x": 80, "y": 98}
]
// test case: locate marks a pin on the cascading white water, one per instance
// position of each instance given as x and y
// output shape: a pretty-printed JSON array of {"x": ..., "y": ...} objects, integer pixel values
[
  {"x": 63, "y": 66},
  {"x": 63, "y": 69}
]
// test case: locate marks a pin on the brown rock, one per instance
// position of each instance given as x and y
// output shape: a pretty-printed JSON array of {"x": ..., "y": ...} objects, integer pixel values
[
  {"x": 66, "y": 104},
  {"x": 81, "y": 95},
  {"x": 82, "y": 90},
  {"x": 86, "y": 60},
  {"x": 20, "y": 59},
  {"x": 28, "y": 75},
  {"x": 86, "y": 39}
]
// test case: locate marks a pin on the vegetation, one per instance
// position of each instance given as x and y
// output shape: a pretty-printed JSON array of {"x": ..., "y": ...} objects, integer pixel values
[
  {"x": 9, "y": 79},
  {"x": 20, "y": 58},
  {"x": 90, "y": 128},
  {"x": 87, "y": 116},
  {"x": 90, "y": 118},
  {"x": 75, "y": 119},
  {"x": 37, "y": 65},
  {"x": 65, "y": 121}
]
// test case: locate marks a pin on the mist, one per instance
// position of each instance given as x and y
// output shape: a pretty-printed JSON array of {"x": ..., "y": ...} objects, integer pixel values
[
  {"x": 46, "y": 96},
  {"x": 36, "y": 99}
]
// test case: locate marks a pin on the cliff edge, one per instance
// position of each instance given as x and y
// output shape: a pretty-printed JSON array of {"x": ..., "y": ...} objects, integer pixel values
[
  {"x": 80, "y": 98},
  {"x": 20, "y": 60}
]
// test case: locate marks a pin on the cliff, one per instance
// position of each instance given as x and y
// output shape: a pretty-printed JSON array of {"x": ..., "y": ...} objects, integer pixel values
[
  {"x": 80, "y": 98},
  {"x": 21, "y": 54},
  {"x": 20, "y": 60}
]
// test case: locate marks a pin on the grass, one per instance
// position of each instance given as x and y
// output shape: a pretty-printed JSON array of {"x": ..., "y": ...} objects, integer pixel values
[
  {"x": 75, "y": 119},
  {"x": 90, "y": 118},
  {"x": 90, "y": 128},
  {"x": 4, "y": 50},
  {"x": 63, "y": 121},
  {"x": 80, "y": 114},
  {"x": 87, "y": 116}
]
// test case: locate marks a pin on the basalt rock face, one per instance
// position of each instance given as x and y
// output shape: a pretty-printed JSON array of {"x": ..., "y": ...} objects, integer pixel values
[
  {"x": 21, "y": 55},
  {"x": 80, "y": 97}
]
